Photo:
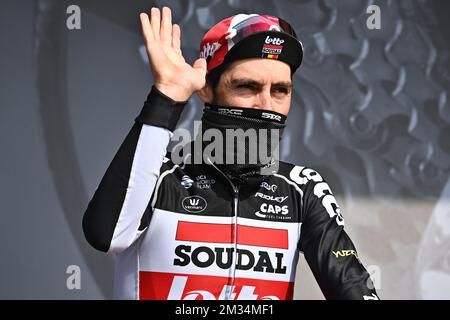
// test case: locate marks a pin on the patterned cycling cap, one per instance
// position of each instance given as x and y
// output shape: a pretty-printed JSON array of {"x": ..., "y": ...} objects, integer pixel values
[{"x": 251, "y": 36}]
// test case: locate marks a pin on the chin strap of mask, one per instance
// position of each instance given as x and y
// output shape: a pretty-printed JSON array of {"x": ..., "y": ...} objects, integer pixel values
[{"x": 266, "y": 126}]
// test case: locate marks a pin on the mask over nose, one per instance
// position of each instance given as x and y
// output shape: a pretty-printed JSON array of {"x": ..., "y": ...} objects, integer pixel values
[{"x": 250, "y": 141}]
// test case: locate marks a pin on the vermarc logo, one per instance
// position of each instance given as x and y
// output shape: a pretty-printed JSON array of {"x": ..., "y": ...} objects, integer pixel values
[{"x": 194, "y": 204}]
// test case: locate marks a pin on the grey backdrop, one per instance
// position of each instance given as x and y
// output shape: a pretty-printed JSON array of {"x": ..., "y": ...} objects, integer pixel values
[{"x": 370, "y": 113}]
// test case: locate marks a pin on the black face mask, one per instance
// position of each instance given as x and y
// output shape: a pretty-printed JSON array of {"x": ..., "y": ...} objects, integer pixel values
[{"x": 253, "y": 157}]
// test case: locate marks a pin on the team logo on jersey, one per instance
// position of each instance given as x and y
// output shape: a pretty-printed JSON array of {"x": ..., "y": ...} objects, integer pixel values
[
  {"x": 346, "y": 253},
  {"x": 205, "y": 287},
  {"x": 270, "y": 187},
  {"x": 273, "y": 211},
  {"x": 203, "y": 182},
  {"x": 194, "y": 204},
  {"x": 247, "y": 292},
  {"x": 279, "y": 199},
  {"x": 203, "y": 254},
  {"x": 187, "y": 182},
  {"x": 322, "y": 191},
  {"x": 222, "y": 257}
]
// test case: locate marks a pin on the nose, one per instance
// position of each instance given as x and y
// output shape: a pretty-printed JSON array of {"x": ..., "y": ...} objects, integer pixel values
[{"x": 263, "y": 100}]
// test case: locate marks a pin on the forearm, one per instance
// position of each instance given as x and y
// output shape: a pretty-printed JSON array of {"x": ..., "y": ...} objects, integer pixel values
[
  {"x": 336, "y": 264},
  {"x": 328, "y": 249},
  {"x": 113, "y": 216}
]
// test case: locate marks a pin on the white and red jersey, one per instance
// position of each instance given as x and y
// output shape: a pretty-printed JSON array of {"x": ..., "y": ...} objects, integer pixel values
[
  {"x": 184, "y": 231},
  {"x": 192, "y": 257}
]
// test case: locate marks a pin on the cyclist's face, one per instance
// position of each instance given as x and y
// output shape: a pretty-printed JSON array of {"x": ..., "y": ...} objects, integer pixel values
[{"x": 256, "y": 83}]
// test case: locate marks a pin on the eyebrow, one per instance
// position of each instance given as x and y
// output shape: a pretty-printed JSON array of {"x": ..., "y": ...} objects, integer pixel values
[{"x": 252, "y": 82}]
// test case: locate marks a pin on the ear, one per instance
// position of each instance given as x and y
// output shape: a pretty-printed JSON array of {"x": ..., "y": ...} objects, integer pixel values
[{"x": 206, "y": 94}]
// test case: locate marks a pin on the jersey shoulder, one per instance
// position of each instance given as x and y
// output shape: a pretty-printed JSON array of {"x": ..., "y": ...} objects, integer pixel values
[{"x": 300, "y": 174}]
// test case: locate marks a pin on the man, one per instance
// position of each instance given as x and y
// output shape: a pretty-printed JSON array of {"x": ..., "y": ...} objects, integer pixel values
[{"x": 219, "y": 229}]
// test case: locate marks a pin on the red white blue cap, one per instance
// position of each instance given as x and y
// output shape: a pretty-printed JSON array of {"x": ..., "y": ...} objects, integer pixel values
[{"x": 251, "y": 36}]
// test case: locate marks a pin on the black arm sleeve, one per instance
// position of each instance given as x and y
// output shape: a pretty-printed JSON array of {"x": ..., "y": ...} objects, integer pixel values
[
  {"x": 328, "y": 249},
  {"x": 127, "y": 185}
]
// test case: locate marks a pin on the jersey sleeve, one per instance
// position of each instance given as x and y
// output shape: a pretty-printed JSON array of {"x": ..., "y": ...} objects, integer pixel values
[
  {"x": 111, "y": 222},
  {"x": 328, "y": 250}
]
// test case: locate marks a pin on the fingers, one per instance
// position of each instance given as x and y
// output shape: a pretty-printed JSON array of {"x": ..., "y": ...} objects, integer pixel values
[
  {"x": 160, "y": 28},
  {"x": 146, "y": 27},
  {"x": 166, "y": 26},
  {"x": 176, "y": 37},
  {"x": 156, "y": 23}
]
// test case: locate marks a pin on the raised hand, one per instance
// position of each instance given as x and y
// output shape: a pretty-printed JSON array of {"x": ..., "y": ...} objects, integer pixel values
[{"x": 172, "y": 75}]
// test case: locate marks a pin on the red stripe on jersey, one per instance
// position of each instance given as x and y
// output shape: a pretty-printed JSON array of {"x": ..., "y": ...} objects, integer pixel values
[{"x": 224, "y": 233}]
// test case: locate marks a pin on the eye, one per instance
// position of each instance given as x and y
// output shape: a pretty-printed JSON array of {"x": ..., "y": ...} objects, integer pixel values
[
  {"x": 281, "y": 90},
  {"x": 245, "y": 89}
]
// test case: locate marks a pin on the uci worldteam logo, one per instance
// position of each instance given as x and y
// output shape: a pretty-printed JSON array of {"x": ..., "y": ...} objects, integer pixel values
[
  {"x": 187, "y": 182},
  {"x": 194, "y": 204}
]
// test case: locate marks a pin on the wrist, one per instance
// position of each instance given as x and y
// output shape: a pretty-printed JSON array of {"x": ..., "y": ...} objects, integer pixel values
[
  {"x": 176, "y": 93},
  {"x": 160, "y": 110}
]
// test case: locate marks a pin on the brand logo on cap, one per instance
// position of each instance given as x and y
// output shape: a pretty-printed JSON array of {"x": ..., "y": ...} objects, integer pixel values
[
  {"x": 275, "y": 41},
  {"x": 209, "y": 49},
  {"x": 272, "y": 48}
]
